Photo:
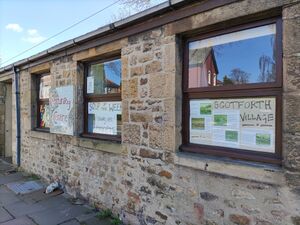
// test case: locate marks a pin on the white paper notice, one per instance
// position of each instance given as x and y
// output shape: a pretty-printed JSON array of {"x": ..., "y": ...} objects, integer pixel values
[
  {"x": 104, "y": 116},
  {"x": 90, "y": 85},
  {"x": 105, "y": 123}
]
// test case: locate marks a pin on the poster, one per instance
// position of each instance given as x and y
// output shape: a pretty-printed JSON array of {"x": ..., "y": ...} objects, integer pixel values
[
  {"x": 244, "y": 123},
  {"x": 62, "y": 110},
  {"x": 104, "y": 117}
]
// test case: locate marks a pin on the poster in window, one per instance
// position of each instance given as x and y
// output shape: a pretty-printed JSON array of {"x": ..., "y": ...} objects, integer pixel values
[
  {"x": 243, "y": 123},
  {"x": 62, "y": 110},
  {"x": 104, "y": 117},
  {"x": 90, "y": 85}
]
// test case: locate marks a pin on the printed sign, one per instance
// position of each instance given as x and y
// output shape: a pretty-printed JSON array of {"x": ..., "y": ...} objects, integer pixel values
[
  {"x": 103, "y": 117},
  {"x": 244, "y": 123},
  {"x": 62, "y": 110}
]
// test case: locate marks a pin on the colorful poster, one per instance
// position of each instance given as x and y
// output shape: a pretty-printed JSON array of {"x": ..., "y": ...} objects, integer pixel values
[
  {"x": 244, "y": 123},
  {"x": 62, "y": 110},
  {"x": 104, "y": 117}
]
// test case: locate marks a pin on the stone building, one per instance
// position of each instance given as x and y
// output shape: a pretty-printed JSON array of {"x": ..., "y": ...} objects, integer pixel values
[{"x": 111, "y": 116}]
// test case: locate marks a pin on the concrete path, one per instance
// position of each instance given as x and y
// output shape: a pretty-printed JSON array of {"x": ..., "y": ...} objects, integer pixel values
[{"x": 37, "y": 208}]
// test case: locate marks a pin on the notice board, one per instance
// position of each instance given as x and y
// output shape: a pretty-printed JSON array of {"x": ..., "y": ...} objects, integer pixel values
[
  {"x": 243, "y": 123},
  {"x": 62, "y": 110}
]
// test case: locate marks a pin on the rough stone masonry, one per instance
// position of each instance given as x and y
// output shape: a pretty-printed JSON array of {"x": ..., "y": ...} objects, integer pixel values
[{"x": 145, "y": 179}]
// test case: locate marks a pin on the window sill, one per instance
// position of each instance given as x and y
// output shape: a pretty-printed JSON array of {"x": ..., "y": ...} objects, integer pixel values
[
  {"x": 103, "y": 137},
  {"x": 257, "y": 172},
  {"x": 101, "y": 145},
  {"x": 42, "y": 134},
  {"x": 45, "y": 130}
]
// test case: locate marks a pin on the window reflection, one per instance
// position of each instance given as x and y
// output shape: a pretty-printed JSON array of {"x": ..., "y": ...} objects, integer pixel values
[
  {"x": 104, "y": 78},
  {"x": 242, "y": 57},
  {"x": 45, "y": 84}
]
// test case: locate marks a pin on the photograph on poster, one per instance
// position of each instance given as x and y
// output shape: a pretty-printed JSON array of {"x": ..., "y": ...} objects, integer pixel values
[
  {"x": 220, "y": 120},
  {"x": 205, "y": 109},
  {"x": 263, "y": 139},
  {"x": 198, "y": 123},
  {"x": 231, "y": 135}
]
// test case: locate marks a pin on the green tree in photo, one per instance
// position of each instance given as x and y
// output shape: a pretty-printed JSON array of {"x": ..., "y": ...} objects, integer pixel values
[
  {"x": 231, "y": 135},
  {"x": 263, "y": 139},
  {"x": 198, "y": 123},
  {"x": 220, "y": 120},
  {"x": 205, "y": 109}
]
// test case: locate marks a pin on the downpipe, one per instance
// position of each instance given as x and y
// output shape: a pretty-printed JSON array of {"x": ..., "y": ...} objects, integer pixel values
[{"x": 18, "y": 121}]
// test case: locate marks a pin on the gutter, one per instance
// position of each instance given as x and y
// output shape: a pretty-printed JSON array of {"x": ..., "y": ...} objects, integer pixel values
[
  {"x": 18, "y": 120},
  {"x": 102, "y": 31},
  {"x": 137, "y": 20}
]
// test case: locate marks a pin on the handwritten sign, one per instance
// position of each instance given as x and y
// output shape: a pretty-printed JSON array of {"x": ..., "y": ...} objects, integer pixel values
[
  {"x": 62, "y": 110},
  {"x": 103, "y": 117},
  {"x": 244, "y": 123}
]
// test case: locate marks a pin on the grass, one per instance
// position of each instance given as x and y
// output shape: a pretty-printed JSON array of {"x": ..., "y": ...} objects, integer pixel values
[
  {"x": 107, "y": 214},
  {"x": 33, "y": 177},
  {"x": 104, "y": 214}
]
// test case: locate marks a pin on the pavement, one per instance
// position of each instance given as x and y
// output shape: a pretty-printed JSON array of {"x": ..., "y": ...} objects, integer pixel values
[{"x": 23, "y": 202}]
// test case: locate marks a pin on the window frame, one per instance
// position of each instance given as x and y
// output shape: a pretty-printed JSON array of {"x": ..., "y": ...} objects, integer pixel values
[
  {"x": 40, "y": 102},
  {"x": 272, "y": 89},
  {"x": 99, "y": 98}
]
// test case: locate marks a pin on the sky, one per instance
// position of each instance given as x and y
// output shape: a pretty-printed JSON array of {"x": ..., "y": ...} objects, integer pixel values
[
  {"x": 24, "y": 24},
  {"x": 244, "y": 55}
]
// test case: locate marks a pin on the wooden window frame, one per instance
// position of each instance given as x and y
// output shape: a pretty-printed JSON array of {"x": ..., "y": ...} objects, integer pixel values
[
  {"x": 40, "y": 102},
  {"x": 98, "y": 98},
  {"x": 273, "y": 89}
]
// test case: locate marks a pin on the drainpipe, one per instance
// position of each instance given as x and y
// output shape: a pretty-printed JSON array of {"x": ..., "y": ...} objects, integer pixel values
[{"x": 18, "y": 121}]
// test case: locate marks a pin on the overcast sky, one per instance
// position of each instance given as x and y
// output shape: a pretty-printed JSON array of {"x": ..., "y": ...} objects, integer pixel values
[{"x": 25, "y": 23}]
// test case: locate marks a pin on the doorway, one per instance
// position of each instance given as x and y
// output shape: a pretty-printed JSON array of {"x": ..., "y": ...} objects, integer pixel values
[{"x": 8, "y": 121}]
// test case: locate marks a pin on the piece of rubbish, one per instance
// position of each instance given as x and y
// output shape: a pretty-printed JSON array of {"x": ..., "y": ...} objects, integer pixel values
[{"x": 53, "y": 186}]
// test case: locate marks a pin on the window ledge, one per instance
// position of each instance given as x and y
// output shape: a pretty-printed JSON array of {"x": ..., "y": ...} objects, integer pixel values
[
  {"x": 240, "y": 169},
  {"x": 42, "y": 134},
  {"x": 101, "y": 145}
]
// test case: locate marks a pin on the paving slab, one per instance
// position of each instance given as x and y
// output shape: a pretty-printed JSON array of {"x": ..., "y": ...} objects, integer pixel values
[
  {"x": 57, "y": 215},
  {"x": 56, "y": 201},
  {"x": 5, "y": 179},
  {"x": 4, "y": 215},
  {"x": 96, "y": 221},
  {"x": 39, "y": 195},
  {"x": 88, "y": 215},
  {"x": 71, "y": 222},
  {"x": 7, "y": 197},
  {"x": 20, "y": 208},
  {"x": 4, "y": 167},
  {"x": 20, "y": 221}
]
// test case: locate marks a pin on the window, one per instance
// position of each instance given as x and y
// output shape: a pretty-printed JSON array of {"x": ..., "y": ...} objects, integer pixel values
[
  {"x": 43, "y": 109},
  {"x": 232, "y": 93},
  {"x": 103, "y": 117}
]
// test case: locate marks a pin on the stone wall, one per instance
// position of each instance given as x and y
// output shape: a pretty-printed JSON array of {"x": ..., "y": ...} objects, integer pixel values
[{"x": 145, "y": 179}]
